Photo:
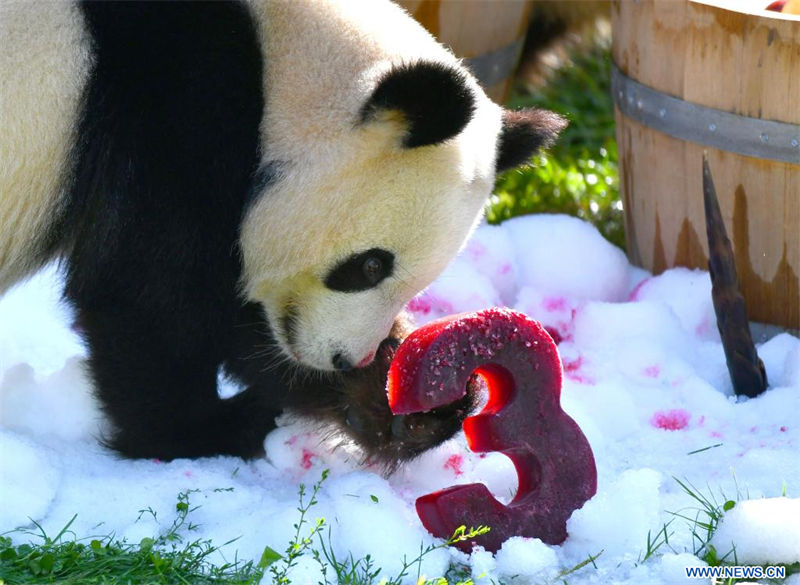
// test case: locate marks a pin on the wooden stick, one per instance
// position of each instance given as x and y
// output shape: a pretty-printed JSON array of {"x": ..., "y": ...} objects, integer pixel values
[{"x": 744, "y": 366}]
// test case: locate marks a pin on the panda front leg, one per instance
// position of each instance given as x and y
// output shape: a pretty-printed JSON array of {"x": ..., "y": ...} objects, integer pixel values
[
  {"x": 156, "y": 340},
  {"x": 159, "y": 391},
  {"x": 166, "y": 142}
]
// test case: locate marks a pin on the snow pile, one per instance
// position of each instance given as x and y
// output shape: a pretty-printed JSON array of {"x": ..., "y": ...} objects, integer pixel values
[
  {"x": 645, "y": 378},
  {"x": 616, "y": 519},
  {"x": 761, "y": 532},
  {"x": 28, "y": 483}
]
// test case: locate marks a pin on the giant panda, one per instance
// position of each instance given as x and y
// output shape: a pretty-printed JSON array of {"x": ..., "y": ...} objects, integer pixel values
[{"x": 255, "y": 188}]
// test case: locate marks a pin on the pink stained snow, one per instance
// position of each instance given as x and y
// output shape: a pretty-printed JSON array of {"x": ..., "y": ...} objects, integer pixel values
[
  {"x": 659, "y": 407},
  {"x": 671, "y": 420},
  {"x": 454, "y": 463}
]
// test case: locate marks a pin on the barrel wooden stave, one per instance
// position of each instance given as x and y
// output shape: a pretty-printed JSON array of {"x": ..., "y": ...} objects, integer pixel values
[{"x": 748, "y": 64}]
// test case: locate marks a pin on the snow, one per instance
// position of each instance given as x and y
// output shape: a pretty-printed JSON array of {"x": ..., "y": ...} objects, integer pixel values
[
  {"x": 761, "y": 532},
  {"x": 645, "y": 378},
  {"x": 673, "y": 567},
  {"x": 526, "y": 559},
  {"x": 615, "y": 518}
]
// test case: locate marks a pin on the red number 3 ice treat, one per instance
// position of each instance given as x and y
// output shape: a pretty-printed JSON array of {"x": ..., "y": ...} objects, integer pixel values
[{"x": 522, "y": 419}]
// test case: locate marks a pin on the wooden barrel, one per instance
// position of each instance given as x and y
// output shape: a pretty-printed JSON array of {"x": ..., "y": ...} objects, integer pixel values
[
  {"x": 721, "y": 76},
  {"x": 487, "y": 34}
]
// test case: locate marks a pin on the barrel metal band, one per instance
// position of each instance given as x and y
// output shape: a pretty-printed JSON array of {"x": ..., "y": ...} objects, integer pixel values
[
  {"x": 492, "y": 68},
  {"x": 766, "y": 139}
]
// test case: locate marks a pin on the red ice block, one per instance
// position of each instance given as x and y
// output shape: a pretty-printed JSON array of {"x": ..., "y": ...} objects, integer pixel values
[{"x": 522, "y": 419}]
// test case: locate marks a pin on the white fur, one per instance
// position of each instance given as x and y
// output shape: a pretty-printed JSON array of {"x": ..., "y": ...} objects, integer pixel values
[
  {"x": 345, "y": 187},
  {"x": 44, "y": 64}
]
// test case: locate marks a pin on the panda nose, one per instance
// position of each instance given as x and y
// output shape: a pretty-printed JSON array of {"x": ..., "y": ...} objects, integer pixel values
[{"x": 341, "y": 363}]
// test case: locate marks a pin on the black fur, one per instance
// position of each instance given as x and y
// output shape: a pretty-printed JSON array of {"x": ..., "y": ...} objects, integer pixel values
[
  {"x": 525, "y": 132},
  {"x": 349, "y": 276},
  {"x": 165, "y": 164},
  {"x": 434, "y": 99},
  {"x": 168, "y": 146}
]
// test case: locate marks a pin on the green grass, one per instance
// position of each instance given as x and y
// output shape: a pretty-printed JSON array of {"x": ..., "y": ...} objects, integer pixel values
[
  {"x": 708, "y": 513},
  {"x": 579, "y": 175},
  {"x": 707, "y": 517},
  {"x": 654, "y": 543},
  {"x": 169, "y": 558},
  {"x": 172, "y": 558}
]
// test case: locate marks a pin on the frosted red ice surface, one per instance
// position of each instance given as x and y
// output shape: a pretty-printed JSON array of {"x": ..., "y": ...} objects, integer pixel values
[{"x": 522, "y": 419}]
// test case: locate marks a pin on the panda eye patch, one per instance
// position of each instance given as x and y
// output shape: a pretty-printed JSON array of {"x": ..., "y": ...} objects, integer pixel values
[{"x": 361, "y": 271}]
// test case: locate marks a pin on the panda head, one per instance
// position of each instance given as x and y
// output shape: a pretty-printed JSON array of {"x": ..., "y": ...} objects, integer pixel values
[{"x": 368, "y": 189}]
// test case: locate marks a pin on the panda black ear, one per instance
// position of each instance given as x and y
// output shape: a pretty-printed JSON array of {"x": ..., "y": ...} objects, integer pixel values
[
  {"x": 524, "y": 132},
  {"x": 434, "y": 99}
]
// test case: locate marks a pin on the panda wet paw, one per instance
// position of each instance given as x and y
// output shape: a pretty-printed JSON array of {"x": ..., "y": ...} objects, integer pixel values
[{"x": 386, "y": 439}]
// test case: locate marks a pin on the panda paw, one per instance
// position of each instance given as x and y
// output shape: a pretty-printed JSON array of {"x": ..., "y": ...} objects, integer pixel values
[{"x": 386, "y": 439}]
